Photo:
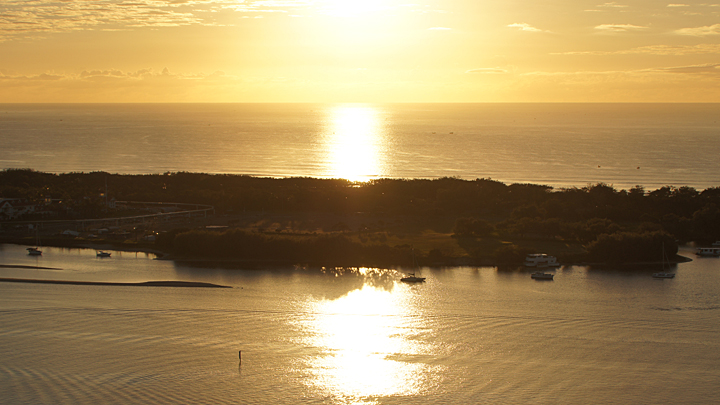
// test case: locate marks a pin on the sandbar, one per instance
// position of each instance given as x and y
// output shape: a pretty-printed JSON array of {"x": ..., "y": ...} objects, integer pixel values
[{"x": 191, "y": 284}]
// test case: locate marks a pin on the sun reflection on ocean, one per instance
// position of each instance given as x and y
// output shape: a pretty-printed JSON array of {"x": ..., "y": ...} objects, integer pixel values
[
  {"x": 353, "y": 142},
  {"x": 365, "y": 347}
]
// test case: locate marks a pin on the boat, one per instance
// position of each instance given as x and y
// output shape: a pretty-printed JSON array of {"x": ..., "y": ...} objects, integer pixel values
[
  {"x": 664, "y": 274},
  {"x": 716, "y": 243},
  {"x": 34, "y": 251},
  {"x": 100, "y": 253},
  {"x": 540, "y": 260},
  {"x": 539, "y": 275},
  {"x": 708, "y": 252},
  {"x": 411, "y": 277}
]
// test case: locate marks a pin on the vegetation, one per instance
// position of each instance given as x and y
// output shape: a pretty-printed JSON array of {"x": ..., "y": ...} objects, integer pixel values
[{"x": 447, "y": 220}]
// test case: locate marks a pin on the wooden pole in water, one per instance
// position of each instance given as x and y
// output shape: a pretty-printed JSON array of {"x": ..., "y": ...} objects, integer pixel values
[{"x": 240, "y": 356}]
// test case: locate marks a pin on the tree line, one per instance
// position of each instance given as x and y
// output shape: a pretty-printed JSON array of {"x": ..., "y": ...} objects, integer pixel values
[{"x": 480, "y": 208}]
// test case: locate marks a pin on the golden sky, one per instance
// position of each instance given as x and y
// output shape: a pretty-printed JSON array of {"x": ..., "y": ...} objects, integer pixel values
[{"x": 359, "y": 51}]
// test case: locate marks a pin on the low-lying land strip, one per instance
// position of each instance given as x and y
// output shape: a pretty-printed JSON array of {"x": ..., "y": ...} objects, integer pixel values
[
  {"x": 380, "y": 223},
  {"x": 191, "y": 284}
]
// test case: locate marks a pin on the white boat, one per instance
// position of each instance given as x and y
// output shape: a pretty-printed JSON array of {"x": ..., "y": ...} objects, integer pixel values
[
  {"x": 538, "y": 275},
  {"x": 716, "y": 243},
  {"x": 708, "y": 252},
  {"x": 664, "y": 274},
  {"x": 100, "y": 253},
  {"x": 34, "y": 251},
  {"x": 540, "y": 260}
]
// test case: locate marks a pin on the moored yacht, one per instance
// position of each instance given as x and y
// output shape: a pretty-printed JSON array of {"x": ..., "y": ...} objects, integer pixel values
[
  {"x": 538, "y": 275},
  {"x": 34, "y": 251},
  {"x": 540, "y": 260},
  {"x": 411, "y": 278},
  {"x": 709, "y": 252}
]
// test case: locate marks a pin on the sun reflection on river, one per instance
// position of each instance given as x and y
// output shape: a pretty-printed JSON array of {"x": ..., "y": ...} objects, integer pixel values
[
  {"x": 367, "y": 347},
  {"x": 353, "y": 142}
]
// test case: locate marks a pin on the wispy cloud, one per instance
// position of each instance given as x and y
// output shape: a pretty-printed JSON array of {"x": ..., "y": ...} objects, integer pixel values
[
  {"x": 33, "y": 18},
  {"x": 678, "y": 5},
  {"x": 669, "y": 50},
  {"x": 487, "y": 71},
  {"x": 700, "y": 31},
  {"x": 112, "y": 74},
  {"x": 619, "y": 27},
  {"x": 39, "y": 17},
  {"x": 525, "y": 27},
  {"x": 711, "y": 68},
  {"x": 612, "y": 5}
]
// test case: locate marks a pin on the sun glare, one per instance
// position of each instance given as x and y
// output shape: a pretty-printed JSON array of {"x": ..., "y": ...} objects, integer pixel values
[
  {"x": 353, "y": 142},
  {"x": 351, "y": 8},
  {"x": 363, "y": 336}
]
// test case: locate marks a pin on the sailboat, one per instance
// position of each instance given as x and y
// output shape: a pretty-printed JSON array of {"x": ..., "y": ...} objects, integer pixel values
[
  {"x": 35, "y": 251},
  {"x": 664, "y": 274},
  {"x": 411, "y": 277}
]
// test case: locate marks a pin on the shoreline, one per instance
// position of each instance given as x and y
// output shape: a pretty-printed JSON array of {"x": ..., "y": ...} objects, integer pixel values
[
  {"x": 255, "y": 263},
  {"x": 184, "y": 284}
]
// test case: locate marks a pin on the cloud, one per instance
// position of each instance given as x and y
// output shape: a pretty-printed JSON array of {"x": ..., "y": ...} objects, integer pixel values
[
  {"x": 612, "y": 5},
  {"x": 619, "y": 27},
  {"x": 525, "y": 27},
  {"x": 668, "y": 50},
  {"x": 700, "y": 31},
  {"x": 678, "y": 5},
  {"x": 40, "y": 77},
  {"x": 487, "y": 71},
  {"x": 30, "y": 19},
  {"x": 115, "y": 74},
  {"x": 711, "y": 68},
  {"x": 36, "y": 18}
]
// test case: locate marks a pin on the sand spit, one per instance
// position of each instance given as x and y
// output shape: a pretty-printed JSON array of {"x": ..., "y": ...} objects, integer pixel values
[
  {"x": 191, "y": 284},
  {"x": 20, "y": 266}
]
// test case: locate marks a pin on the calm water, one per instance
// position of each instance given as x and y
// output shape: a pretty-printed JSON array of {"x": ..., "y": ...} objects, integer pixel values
[
  {"x": 556, "y": 144},
  {"x": 465, "y": 336}
]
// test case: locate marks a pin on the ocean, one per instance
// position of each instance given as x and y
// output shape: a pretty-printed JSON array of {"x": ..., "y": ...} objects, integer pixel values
[
  {"x": 358, "y": 336},
  {"x": 561, "y": 145}
]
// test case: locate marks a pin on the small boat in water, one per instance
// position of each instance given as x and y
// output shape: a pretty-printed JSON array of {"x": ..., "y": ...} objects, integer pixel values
[
  {"x": 664, "y": 274},
  {"x": 100, "y": 253},
  {"x": 411, "y": 278},
  {"x": 34, "y": 251},
  {"x": 540, "y": 260},
  {"x": 708, "y": 252},
  {"x": 538, "y": 275}
]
